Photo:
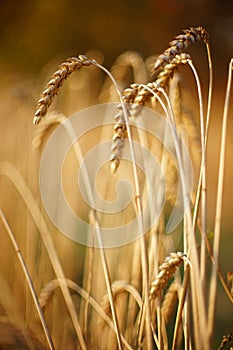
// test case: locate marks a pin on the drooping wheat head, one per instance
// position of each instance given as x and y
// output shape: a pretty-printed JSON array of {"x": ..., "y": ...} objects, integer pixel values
[
  {"x": 55, "y": 83},
  {"x": 136, "y": 95},
  {"x": 166, "y": 270},
  {"x": 180, "y": 43}
]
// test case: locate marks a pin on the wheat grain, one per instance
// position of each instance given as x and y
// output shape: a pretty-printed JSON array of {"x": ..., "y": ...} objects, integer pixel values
[
  {"x": 180, "y": 43},
  {"x": 226, "y": 340},
  {"x": 167, "y": 269}
]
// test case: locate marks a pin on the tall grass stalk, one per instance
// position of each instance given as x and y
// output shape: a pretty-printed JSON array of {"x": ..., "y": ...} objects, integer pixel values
[
  {"x": 198, "y": 294},
  {"x": 203, "y": 176},
  {"x": 218, "y": 214}
]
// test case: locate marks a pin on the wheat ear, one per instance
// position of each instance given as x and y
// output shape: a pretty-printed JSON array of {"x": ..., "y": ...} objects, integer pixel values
[
  {"x": 180, "y": 43},
  {"x": 136, "y": 95},
  {"x": 166, "y": 270},
  {"x": 55, "y": 83}
]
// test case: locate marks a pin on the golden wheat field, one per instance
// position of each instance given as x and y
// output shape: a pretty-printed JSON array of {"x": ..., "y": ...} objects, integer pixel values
[{"x": 89, "y": 148}]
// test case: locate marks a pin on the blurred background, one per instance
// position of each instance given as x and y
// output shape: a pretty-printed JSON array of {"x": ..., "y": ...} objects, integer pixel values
[
  {"x": 35, "y": 36},
  {"x": 32, "y": 32}
]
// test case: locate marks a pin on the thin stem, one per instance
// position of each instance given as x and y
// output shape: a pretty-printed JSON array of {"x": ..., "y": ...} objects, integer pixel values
[
  {"x": 203, "y": 177},
  {"x": 218, "y": 215},
  {"x": 210, "y": 91},
  {"x": 220, "y": 275},
  {"x": 78, "y": 152},
  {"x": 138, "y": 202},
  {"x": 197, "y": 290},
  {"x": 180, "y": 307},
  {"x": 198, "y": 293},
  {"x": 28, "y": 279}
]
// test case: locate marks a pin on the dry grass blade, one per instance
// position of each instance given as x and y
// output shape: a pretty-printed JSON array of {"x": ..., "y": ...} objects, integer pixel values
[
  {"x": 180, "y": 43},
  {"x": 166, "y": 270},
  {"x": 15, "y": 177},
  {"x": 57, "y": 80}
]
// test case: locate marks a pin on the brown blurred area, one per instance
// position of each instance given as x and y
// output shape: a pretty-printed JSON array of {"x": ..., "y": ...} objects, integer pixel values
[{"x": 33, "y": 33}]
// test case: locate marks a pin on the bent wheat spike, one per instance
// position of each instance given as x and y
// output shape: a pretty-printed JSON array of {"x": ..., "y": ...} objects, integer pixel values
[
  {"x": 137, "y": 96},
  {"x": 55, "y": 83},
  {"x": 167, "y": 269},
  {"x": 180, "y": 43}
]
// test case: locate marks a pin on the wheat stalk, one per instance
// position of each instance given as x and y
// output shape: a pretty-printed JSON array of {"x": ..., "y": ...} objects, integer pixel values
[
  {"x": 54, "y": 87},
  {"x": 218, "y": 214},
  {"x": 127, "y": 60},
  {"x": 138, "y": 204}
]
